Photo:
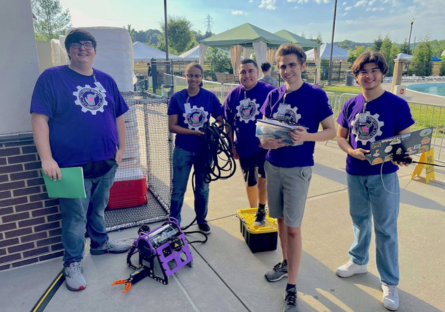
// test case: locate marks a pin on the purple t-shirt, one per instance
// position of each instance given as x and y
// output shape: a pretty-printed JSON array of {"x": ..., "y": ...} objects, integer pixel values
[
  {"x": 82, "y": 114},
  {"x": 202, "y": 106},
  {"x": 242, "y": 109},
  {"x": 386, "y": 116},
  {"x": 307, "y": 106}
]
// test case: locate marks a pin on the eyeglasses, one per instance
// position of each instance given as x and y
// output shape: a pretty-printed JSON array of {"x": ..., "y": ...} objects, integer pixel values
[
  {"x": 373, "y": 72},
  {"x": 191, "y": 76},
  {"x": 77, "y": 45}
]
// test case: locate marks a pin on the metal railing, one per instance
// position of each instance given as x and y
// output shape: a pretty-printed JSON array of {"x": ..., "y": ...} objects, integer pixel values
[{"x": 425, "y": 115}]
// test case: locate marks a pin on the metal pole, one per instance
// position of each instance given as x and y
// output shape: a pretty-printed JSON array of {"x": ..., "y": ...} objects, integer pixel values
[
  {"x": 166, "y": 30},
  {"x": 409, "y": 40},
  {"x": 332, "y": 44}
]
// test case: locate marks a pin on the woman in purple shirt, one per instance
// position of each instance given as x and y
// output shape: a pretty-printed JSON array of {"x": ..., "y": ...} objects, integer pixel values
[{"x": 188, "y": 111}]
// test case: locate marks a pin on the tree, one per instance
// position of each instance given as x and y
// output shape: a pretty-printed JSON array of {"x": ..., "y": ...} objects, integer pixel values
[
  {"x": 303, "y": 35},
  {"x": 377, "y": 44},
  {"x": 180, "y": 36},
  {"x": 392, "y": 55},
  {"x": 354, "y": 54},
  {"x": 385, "y": 50},
  {"x": 199, "y": 36},
  {"x": 131, "y": 32},
  {"x": 219, "y": 60},
  {"x": 319, "y": 39},
  {"x": 421, "y": 64},
  {"x": 404, "y": 47},
  {"x": 51, "y": 21}
]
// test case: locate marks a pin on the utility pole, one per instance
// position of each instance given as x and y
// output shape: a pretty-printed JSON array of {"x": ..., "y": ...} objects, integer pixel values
[
  {"x": 332, "y": 44},
  {"x": 409, "y": 40},
  {"x": 166, "y": 30},
  {"x": 209, "y": 23}
]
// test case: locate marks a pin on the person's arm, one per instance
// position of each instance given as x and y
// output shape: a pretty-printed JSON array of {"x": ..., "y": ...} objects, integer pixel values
[
  {"x": 40, "y": 131},
  {"x": 120, "y": 124},
  {"x": 173, "y": 127},
  {"x": 342, "y": 141},
  {"x": 301, "y": 135}
]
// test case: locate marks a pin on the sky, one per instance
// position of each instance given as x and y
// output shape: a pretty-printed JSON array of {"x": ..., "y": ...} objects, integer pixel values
[{"x": 357, "y": 20}]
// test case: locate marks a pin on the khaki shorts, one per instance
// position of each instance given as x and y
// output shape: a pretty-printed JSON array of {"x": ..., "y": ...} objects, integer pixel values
[{"x": 287, "y": 190}]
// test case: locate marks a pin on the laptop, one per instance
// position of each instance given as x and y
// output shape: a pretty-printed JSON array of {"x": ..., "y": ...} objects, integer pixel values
[{"x": 400, "y": 146}]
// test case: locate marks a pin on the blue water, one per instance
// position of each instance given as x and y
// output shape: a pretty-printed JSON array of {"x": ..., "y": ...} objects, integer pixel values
[{"x": 430, "y": 88}]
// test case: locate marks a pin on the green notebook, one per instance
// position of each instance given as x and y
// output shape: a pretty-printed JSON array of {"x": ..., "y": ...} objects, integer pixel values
[{"x": 70, "y": 186}]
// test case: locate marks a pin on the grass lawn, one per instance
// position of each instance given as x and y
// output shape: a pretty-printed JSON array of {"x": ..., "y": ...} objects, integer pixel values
[{"x": 339, "y": 90}]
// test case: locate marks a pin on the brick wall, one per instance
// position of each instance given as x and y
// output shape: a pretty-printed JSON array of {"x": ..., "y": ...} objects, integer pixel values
[{"x": 30, "y": 226}]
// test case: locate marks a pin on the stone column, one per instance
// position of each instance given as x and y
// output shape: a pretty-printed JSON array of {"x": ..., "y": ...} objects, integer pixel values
[{"x": 397, "y": 74}]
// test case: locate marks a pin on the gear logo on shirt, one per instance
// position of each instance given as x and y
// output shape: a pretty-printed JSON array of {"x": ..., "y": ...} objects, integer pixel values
[
  {"x": 368, "y": 130},
  {"x": 290, "y": 115},
  {"x": 196, "y": 118},
  {"x": 247, "y": 110},
  {"x": 90, "y": 99}
]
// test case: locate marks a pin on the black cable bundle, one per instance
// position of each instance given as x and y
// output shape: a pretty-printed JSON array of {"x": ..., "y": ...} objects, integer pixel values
[
  {"x": 219, "y": 162},
  {"x": 217, "y": 144}
]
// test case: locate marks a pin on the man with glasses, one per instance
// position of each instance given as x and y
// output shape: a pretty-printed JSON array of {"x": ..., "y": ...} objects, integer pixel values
[
  {"x": 373, "y": 191},
  {"x": 77, "y": 120},
  {"x": 242, "y": 110}
]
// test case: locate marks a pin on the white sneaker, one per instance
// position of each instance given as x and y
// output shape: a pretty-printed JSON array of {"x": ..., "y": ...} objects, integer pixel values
[
  {"x": 350, "y": 268},
  {"x": 390, "y": 297}
]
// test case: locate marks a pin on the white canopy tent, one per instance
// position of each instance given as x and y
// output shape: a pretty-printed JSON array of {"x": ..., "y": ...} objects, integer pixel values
[
  {"x": 144, "y": 53},
  {"x": 325, "y": 51},
  {"x": 193, "y": 54}
]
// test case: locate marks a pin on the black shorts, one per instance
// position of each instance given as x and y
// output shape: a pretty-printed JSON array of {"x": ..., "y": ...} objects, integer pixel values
[{"x": 249, "y": 166}]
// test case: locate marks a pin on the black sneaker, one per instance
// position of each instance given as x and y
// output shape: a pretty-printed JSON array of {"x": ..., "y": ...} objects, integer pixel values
[
  {"x": 205, "y": 228},
  {"x": 290, "y": 297},
  {"x": 260, "y": 217}
]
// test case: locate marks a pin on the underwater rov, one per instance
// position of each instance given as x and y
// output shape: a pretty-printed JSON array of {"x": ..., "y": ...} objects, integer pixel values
[{"x": 166, "y": 244}]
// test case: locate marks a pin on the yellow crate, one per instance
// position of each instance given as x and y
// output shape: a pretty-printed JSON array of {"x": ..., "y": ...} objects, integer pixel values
[
  {"x": 247, "y": 216},
  {"x": 262, "y": 238}
]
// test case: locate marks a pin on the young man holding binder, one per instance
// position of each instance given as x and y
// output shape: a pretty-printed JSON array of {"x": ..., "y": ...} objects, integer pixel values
[
  {"x": 289, "y": 168},
  {"x": 242, "y": 110},
  {"x": 77, "y": 119}
]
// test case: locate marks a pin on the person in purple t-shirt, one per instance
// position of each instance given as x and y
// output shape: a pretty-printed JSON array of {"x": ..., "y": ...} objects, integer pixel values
[
  {"x": 77, "y": 120},
  {"x": 188, "y": 111},
  {"x": 289, "y": 168},
  {"x": 242, "y": 110},
  {"x": 373, "y": 190}
]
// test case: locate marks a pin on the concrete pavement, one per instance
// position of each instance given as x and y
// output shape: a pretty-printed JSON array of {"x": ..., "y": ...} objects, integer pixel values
[{"x": 226, "y": 276}]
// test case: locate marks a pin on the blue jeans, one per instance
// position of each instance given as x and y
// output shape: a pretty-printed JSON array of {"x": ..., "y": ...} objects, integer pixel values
[
  {"x": 182, "y": 165},
  {"x": 78, "y": 214},
  {"x": 367, "y": 198}
]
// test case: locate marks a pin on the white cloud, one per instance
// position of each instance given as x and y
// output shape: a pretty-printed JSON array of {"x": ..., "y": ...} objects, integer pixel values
[
  {"x": 344, "y": 14},
  {"x": 296, "y": 7},
  {"x": 250, "y": 1},
  {"x": 345, "y": 3},
  {"x": 303, "y": 1},
  {"x": 268, "y": 4},
  {"x": 375, "y": 9},
  {"x": 360, "y": 3},
  {"x": 324, "y": 1},
  {"x": 291, "y": 0},
  {"x": 371, "y": 2},
  {"x": 348, "y": 8},
  {"x": 237, "y": 12}
]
